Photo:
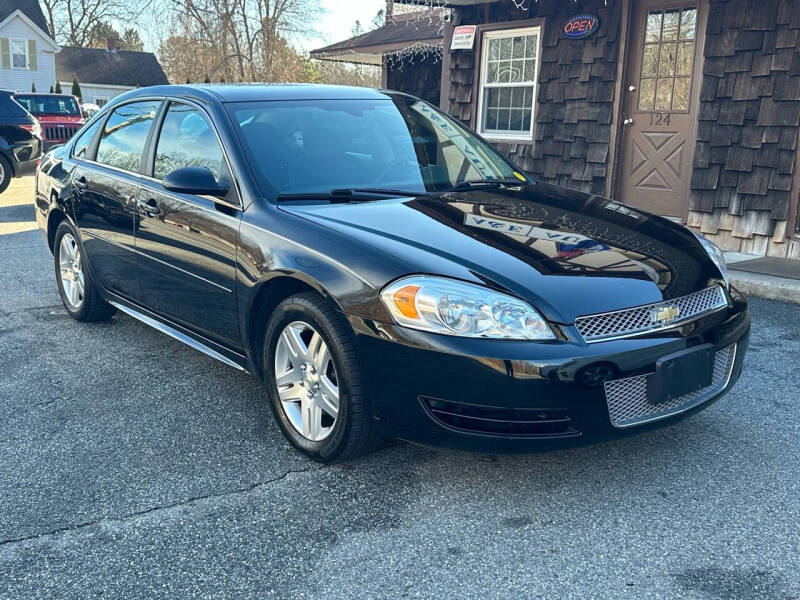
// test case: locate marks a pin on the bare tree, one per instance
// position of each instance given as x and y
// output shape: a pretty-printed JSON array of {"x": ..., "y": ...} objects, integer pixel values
[{"x": 74, "y": 22}]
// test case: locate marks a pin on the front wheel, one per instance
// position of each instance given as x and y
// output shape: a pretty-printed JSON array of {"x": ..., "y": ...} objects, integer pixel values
[
  {"x": 5, "y": 173},
  {"x": 314, "y": 378},
  {"x": 78, "y": 293}
]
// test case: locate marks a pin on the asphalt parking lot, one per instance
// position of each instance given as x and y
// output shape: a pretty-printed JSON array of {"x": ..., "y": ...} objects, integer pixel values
[{"x": 134, "y": 467}]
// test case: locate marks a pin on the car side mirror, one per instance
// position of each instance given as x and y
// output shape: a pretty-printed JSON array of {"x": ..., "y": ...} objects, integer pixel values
[{"x": 199, "y": 181}]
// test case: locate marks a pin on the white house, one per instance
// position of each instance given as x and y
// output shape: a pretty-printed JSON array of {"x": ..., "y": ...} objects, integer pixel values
[{"x": 27, "y": 50}]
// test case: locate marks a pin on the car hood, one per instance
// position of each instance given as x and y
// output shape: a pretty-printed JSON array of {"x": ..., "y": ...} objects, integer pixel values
[{"x": 567, "y": 252}]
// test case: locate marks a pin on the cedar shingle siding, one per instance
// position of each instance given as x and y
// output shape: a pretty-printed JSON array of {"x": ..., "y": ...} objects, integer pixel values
[
  {"x": 748, "y": 129},
  {"x": 418, "y": 74},
  {"x": 575, "y": 99}
]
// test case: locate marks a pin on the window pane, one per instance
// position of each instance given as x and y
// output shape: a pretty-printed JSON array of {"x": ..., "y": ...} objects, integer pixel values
[
  {"x": 493, "y": 97},
  {"x": 505, "y": 48},
  {"x": 519, "y": 47},
  {"x": 490, "y": 121},
  {"x": 504, "y": 74},
  {"x": 530, "y": 70},
  {"x": 503, "y": 118},
  {"x": 505, "y": 97},
  {"x": 530, "y": 46},
  {"x": 646, "y": 94},
  {"x": 650, "y": 60},
  {"x": 528, "y": 102},
  {"x": 671, "y": 21},
  {"x": 516, "y": 70},
  {"x": 685, "y": 56},
  {"x": 494, "y": 49},
  {"x": 124, "y": 135},
  {"x": 526, "y": 120},
  {"x": 186, "y": 140},
  {"x": 491, "y": 75},
  {"x": 688, "y": 23},
  {"x": 666, "y": 65},
  {"x": 653, "y": 30},
  {"x": 680, "y": 99},
  {"x": 516, "y": 120},
  {"x": 664, "y": 94}
]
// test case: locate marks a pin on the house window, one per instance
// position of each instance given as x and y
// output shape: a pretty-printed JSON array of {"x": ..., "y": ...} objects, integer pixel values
[
  {"x": 100, "y": 100},
  {"x": 509, "y": 70},
  {"x": 19, "y": 54}
]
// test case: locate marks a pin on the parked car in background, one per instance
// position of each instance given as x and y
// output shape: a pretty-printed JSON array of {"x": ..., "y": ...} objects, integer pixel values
[
  {"x": 89, "y": 109},
  {"x": 20, "y": 140},
  {"x": 59, "y": 115},
  {"x": 385, "y": 271}
]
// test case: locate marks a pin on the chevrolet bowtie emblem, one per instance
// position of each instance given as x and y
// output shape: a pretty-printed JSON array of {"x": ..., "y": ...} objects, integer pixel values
[{"x": 666, "y": 314}]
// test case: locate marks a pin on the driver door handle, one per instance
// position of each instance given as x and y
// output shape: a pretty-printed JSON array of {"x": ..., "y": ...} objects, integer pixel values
[{"x": 149, "y": 207}]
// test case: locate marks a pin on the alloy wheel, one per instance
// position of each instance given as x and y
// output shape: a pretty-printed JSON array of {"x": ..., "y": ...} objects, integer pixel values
[
  {"x": 72, "y": 279},
  {"x": 308, "y": 386}
]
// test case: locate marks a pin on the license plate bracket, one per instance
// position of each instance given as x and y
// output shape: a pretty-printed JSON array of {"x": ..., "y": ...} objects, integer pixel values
[{"x": 681, "y": 373}]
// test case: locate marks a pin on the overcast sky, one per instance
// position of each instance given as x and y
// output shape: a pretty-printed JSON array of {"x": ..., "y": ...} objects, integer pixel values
[{"x": 338, "y": 20}]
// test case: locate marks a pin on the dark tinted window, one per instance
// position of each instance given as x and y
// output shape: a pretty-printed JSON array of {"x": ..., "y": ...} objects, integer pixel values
[
  {"x": 85, "y": 139},
  {"x": 125, "y": 133},
  {"x": 45, "y": 104},
  {"x": 186, "y": 140},
  {"x": 9, "y": 107}
]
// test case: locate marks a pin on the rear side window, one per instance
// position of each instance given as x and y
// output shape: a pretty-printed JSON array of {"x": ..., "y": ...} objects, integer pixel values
[
  {"x": 125, "y": 134},
  {"x": 186, "y": 140},
  {"x": 9, "y": 107},
  {"x": 84, "y": 142}
]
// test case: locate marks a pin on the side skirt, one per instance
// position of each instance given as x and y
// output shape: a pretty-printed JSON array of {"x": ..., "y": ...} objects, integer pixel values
[{"x": 232, "y": 359}]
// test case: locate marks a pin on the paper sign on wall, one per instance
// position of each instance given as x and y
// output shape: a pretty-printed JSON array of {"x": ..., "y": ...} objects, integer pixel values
[{"x": 463, "y": 37}]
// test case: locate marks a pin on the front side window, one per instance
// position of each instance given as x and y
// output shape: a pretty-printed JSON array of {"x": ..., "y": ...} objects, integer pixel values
[
  {"x": 315, "y": 146},
  {"x": 509, "y": 68},
  {"x": 84, "y": 142},
  {"x": 186, "y": 140},
  {"x": 19, "y": 54},
  {"x": 125, "y": 133}
]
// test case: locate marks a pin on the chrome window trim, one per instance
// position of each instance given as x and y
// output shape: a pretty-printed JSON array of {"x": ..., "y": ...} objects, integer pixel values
[{"x": 666, "y": 327}]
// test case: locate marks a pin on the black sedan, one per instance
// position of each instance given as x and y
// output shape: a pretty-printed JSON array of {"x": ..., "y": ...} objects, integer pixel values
[{"x": 385, "y": 271}]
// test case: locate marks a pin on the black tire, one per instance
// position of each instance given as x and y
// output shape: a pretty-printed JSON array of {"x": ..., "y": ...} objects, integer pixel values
[
  {"x": 354, "y": 433},
  {"x": 93, "y": 307},
  {"x": 5, "y": 178}
]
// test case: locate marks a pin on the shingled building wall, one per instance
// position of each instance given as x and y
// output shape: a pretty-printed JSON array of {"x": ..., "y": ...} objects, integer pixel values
[
  {"x": 748, "y": 131},
  {"x": 575, "y": 99}
]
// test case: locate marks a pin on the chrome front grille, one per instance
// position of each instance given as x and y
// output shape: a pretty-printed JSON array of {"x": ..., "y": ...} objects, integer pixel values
[
  {"x": 628, "y": 403},
  {"x": 641, "y": 319},
  {"x": 59, "y": 133}
]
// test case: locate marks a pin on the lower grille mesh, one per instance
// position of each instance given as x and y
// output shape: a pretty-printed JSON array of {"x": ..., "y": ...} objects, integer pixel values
[{"x": 627, "y": 398}]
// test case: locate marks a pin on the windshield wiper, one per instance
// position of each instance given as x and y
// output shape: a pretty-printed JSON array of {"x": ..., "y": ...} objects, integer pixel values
[
  {"x": 465, "y": 185},
  {"x": 349, "y": 195}
]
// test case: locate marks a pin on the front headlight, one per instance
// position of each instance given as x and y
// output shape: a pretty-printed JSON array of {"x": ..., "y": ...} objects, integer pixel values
[
  {"x": 462, "y": 309},
  {"x": 716, "y": 255}
]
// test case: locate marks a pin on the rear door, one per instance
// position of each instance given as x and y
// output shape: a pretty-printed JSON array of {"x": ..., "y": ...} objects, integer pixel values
[
  {"x": 105, "y": 184},
  {"x": 188, "y": 243}
]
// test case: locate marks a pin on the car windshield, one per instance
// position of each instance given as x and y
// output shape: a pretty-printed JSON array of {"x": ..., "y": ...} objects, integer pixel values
[
  {"x": 45, "y": 104},
  {"x": 398, "y": 143}
]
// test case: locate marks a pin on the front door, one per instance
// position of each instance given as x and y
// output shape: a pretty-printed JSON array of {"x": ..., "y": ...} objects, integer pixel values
[
  {"x": 661, "y": 105},
  {"x": 186, "y": 243}
]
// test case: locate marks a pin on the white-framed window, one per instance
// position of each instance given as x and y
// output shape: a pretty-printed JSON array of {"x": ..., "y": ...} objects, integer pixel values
[
  {"x": 101, "y": 100},
  {"x": 19, "y": 53},
  {"x": 508, "y": 75}
]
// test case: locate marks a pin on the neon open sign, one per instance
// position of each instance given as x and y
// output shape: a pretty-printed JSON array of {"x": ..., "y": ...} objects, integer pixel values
[{"x": 581, "y": 26}]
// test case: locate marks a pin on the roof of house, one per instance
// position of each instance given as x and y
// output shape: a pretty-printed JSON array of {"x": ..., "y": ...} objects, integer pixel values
[
  {"x": 109, "y": 67},
  {"x": 30, "y": 8},
  {"x": 397, "y": 35}
]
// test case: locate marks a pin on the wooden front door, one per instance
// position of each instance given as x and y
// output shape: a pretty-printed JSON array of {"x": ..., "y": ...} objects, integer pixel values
[{"x": 661, "y": 104}]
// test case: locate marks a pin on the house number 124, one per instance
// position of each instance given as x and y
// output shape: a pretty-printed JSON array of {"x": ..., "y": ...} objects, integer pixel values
[{"x": 659, "y": 118}]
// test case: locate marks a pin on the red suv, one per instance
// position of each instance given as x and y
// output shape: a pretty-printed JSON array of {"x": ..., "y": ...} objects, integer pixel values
[{"x": 59, "y": 115}]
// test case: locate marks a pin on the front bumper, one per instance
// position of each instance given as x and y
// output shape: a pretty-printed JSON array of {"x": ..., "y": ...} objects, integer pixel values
[{"x": 416, "y": 381}]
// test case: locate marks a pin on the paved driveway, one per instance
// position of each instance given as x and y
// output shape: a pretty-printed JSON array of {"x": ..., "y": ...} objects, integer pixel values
[{"x": 131, "y": 466}]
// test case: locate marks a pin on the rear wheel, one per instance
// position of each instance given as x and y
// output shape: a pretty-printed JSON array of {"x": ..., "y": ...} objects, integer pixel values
[
  {"x": 314, "y": 379},
  {"x": 78, "y": 293},
  {"x": 5, "y": 173}
]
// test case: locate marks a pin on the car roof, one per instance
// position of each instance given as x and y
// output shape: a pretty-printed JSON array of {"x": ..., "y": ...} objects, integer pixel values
[{"x": 251, "y": 92}]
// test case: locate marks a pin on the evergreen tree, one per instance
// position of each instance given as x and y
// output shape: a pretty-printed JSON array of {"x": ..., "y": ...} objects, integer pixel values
[
  {"x": 33, "y": 88},
  {"x": 51, "y": 89},
  {"x": 58, "y": 87},
  {"x": 76, "y": 88}
]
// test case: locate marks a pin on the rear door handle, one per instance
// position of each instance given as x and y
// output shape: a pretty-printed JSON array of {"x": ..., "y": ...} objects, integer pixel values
[{"x": 149, "y": 208}]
